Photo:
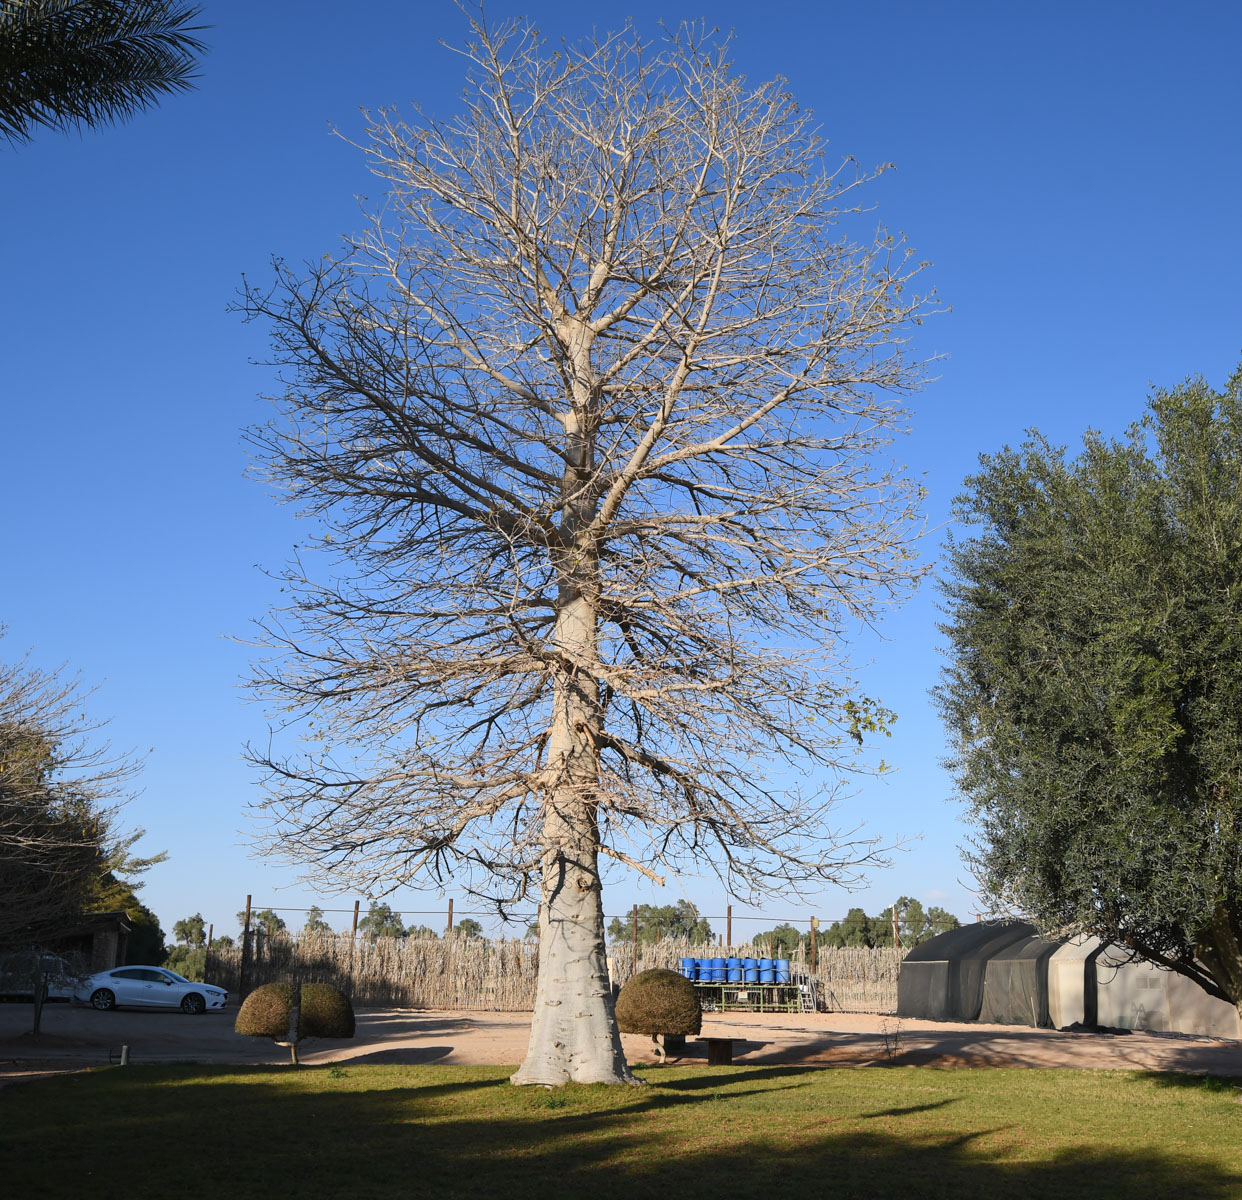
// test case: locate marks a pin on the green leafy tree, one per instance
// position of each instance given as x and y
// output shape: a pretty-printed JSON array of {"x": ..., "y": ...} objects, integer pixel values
[
  {"x": 191, "y": 932},
  {"x": 1095, "y": 682},
  {"x": 780, "y": 942},
  {"x": 855, "y": 929},
  {"x": 315, "y": 922},
  {"x": 66, "y": 64},
  {"x": 381, "y": 921},
  {"x": 468, "y": 928},
  {"x": 680, "y": 920},
  {"x": 263, "y": 922}
]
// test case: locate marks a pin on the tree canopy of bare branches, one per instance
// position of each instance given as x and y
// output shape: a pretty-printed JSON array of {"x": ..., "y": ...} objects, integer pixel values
[
  {"x": 592, "y": 416},
  {"x": 59, "y": 790}
]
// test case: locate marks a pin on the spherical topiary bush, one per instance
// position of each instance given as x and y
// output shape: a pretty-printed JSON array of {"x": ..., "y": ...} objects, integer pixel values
[
  {"x": 325, "y": 1012},
  {"x": 265, "y": 1012},
  {"x": 659, "y": 1001}
]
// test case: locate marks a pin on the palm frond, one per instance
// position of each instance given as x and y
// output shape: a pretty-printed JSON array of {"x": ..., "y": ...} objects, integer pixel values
[{"x": 69, "y": 63}]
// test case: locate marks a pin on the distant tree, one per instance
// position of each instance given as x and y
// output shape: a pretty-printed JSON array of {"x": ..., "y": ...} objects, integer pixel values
[
  {"x": 468, "y": 928},
  {"x": 680, "y": 920},
  {"x": 315, "y": 922},
  {"x": 1094, "y": 685},
  {"x": 915, "y": 924},
  {"x": 191, "y": 932},
  {"x": 223, "y": 942},
  {"x": 855, "y": 929},
  {"x": 381, "y": 921},
  {"x": 263, "y": 922},
  {"x": 420, "y": 931},
  {"x": 65, "y": 64},
  {"x": 780, "y": 942}
]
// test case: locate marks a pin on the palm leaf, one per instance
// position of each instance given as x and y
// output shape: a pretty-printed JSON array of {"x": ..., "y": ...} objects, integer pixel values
[{"x": 69, "y": 63}]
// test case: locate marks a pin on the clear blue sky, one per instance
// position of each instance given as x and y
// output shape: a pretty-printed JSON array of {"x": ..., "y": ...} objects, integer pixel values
[{"x": 1072, "y": 170}]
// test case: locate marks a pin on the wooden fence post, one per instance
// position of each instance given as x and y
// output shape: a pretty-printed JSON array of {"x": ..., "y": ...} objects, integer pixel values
[
  {"x": 245, "y": 954},
  {"x": 634, "y": 939},
  {"x": 353, "y": 950},
  {"x": 814, "y": 944},
  {"x": 729, "y": 926},
  {"x": 210, "y": 930},
  {"x": 448, "y": 931}
]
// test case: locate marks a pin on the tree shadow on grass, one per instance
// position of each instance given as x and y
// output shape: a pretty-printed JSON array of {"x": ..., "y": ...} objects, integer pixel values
[{"x": 420, "y": 1134}]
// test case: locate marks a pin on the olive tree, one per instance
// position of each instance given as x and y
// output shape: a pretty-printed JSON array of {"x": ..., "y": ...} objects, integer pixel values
[
  {"x": 1095, "y": 681},
  {"x": 591, "y": 414}
]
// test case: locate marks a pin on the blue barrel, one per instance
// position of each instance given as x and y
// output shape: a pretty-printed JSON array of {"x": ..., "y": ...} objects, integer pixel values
[
  {"x": 719, "y": 970},
  {"x": 782, "y": 970},
  {"x": 767, "y": 970},
  {"x": 689, "y": 968},
  {"x": 750, "y": 970},
  {"x": 735, "y": 970},
  {"x": 704, "y": 968}
]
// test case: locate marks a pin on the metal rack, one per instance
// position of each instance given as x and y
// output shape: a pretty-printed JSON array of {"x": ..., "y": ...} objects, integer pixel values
[{"x": 751, "y": 997}]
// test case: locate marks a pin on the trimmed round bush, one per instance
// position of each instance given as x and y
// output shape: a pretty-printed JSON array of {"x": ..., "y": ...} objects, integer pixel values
[
  {"x": 326, "y": 1012},
  {"x": 659, "y": 1001}
]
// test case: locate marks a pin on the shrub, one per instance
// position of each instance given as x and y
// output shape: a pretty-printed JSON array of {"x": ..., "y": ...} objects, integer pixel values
[
  {"x": 326, "y": 1012},
  {"x": 659, "y": 1001}
]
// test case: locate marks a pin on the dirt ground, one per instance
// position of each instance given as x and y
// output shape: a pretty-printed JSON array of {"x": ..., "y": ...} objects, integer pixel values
[{"x": 75, "y": 1038}]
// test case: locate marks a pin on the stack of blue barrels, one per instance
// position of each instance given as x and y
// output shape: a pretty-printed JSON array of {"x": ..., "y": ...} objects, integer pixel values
[{"x": 736, "y": 970}]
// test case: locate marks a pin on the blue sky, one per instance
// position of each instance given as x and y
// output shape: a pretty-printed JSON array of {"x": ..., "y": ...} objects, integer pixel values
[{"x": 1071, "y": 170}]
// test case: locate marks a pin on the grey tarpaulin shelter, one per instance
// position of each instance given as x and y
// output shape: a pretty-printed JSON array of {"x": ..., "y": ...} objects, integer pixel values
[
  {"x": 1132, "y": 994},
  {"x": 1015, "y": 984},
  {"x": 941, "y": 979},
  {"x": 1071, "y": 983}
]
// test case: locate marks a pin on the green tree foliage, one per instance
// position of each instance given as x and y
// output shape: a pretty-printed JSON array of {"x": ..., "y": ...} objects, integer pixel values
[
  {"x": 680, "y": 920},
  {"x": 315, "y": 922},
  {"x": 264, "y": 922},
  {"x": 914, "y": 924},
  {"x": 191, "y": 932},
  {"x": 780, "y": 942},
  {"x": 468, "y": 928},
  {"x": 1095, "y": 682},
  {"x": 381, "y": 921},
  {"x": 65, "y": 64}
]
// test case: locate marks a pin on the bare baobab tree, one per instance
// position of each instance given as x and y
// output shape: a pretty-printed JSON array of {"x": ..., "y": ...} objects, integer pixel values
[{"x": 590, "y": 415}]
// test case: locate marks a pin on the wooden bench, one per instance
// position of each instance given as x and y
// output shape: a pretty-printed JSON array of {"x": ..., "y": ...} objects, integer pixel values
[{"x": 720, "y": 1050}]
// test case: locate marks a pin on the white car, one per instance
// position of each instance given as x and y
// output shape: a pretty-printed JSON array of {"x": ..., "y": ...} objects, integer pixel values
[{"x": 148, "y": 987}]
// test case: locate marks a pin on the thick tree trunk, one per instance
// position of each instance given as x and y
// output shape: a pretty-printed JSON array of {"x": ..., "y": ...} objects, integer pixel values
[{"x": 573, "y": 1033}]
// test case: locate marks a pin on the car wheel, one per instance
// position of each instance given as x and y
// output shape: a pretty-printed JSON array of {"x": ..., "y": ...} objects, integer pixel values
[
  {"x": 193, "y": 1004},
  {"x": 103, "y": 1000}
]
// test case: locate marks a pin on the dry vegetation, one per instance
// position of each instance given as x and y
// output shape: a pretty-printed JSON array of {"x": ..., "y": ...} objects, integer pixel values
[{"x": 476, "y": 973}]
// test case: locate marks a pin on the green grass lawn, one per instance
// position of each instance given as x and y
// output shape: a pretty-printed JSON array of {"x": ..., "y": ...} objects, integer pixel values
[{"x": 782, "y": 1133}]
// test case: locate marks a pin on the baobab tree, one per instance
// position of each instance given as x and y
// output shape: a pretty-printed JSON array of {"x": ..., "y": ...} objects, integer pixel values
[{"x": 591, "y": 416}]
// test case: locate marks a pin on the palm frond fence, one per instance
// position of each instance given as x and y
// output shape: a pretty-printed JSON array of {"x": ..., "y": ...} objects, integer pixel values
[{"x": 499, "y": 975}]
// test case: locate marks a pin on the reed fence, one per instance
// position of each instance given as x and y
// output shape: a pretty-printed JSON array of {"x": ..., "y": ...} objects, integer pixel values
[{"x": 499, "y": 975}]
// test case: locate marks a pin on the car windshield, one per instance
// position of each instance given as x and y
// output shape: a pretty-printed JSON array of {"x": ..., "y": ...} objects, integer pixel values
[{"x": 178, "y": 978}]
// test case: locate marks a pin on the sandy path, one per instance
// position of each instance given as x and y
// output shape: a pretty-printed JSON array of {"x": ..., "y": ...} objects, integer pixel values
[{"x": 75, "y": 1038}]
